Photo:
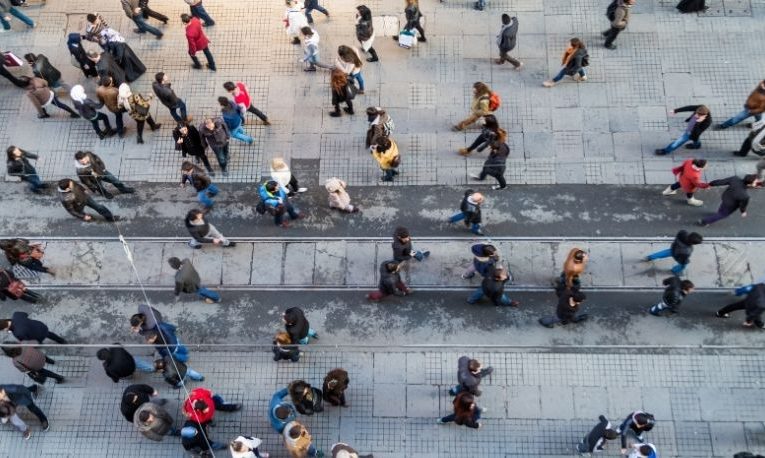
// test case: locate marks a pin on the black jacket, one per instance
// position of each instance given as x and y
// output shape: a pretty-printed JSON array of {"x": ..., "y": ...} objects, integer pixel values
[
  {"x": 128, "y": 406},
  {"x": 199, "y": 231},
  {"x": 120, "y": 364},
  {"x": 297, "y": 325},
  {"x": 165, "y": 94},
  {"x": 681, "y": 249},
  {"x": 699, "y": 127},
  {"x": 673, "y": 293},
  {"x": 496, "y": 162},
  {"x": 492, "y": 288},
  {"x": 87, "y": 109},
  {"x": 564, "y": 311},
  {"x": 21, "y": 167},
  {"x": 472, "y": 211},
  {"x": 576, "y": 62},
  {"x": 25, "y": 328},
  {"x": 755, "y": 302},
  {"x": 413, "y": 16},
  {"x": 467, "y": 379},
  {"x": 389, "y": 280},
  {"x": 197, "y": 178},
  {"x": 192, "y": 142},
  {"x": 508, "y": 36},
  {"x": 401, "y": 251},
  {"x": 89, "y": 174},
  {"x": 335, "y": 383},
  {"x": 364, "y": 29},
  {"x": 42, "y": 68},
  {"x": 306, "y": 405},
  {"x": 595, "y": 439},
  {"x": 736, "y": 196},
  {"x": 74, "y": 201},
  {"x": 106, "y": 66}
]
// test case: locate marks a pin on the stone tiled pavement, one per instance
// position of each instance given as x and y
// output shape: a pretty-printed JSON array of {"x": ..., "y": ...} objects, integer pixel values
[{"x": 602, "y": 131}]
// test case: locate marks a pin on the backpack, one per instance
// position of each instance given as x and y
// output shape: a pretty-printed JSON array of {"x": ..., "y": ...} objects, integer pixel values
[
  {"x": 261, "y": 208},
  {"x": 494, "y": 101},
  {"x": 611, "y": 10},
  {"x": 388, "y": 126},
  {"x": 140, "y": 107}
]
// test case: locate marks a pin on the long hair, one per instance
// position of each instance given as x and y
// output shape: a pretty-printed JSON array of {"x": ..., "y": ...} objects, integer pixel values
[
  {"x": 338, "y": 80},
  {"x": 349, "y": 55},
  {"x": 481, "y": 89},
  {"x": 462, "y": 405},
  {"x": 576, "y": 43}
]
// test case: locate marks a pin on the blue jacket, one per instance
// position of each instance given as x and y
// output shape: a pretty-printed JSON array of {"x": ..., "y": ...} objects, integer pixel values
[
  {"x": 231, "y": 116},
  {"x": 481, "y": 262},
  {"x": 272, "y": 200},
  {"x": 278, "y": 401},
  {"x": 166, "y": 333}
]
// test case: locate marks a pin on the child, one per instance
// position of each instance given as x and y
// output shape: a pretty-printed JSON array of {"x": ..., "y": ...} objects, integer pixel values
[
  {"x": 595, "y": 441},
  {"x": 338, "y": 196},
  {"x": 673, "y": 295},
  {"x": 283, "y": 348}
]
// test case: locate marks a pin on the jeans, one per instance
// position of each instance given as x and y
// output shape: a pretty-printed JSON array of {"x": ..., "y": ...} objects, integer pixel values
[
  {"x": 199, "y": 11},
  {"x": 222, "y": 155},
  {"x": 194, "y": 375},
  {"x": 205, "y": 293},
  {"x": 562, "y": 73},
  {"x": 474, "y": 227},
  {"x": 316, "y": 7},
  {"x": 481, "y": 4},
  {"x": 109, "y": 178},
  {"x": 208, "y": 55},
  {"x": 388, "y": 174},
  {"x": 680, "y": 142},
  {"x": 205, "y": 194},
  {"x": 174, "y": 111},
  {"x": 144, "y": 26},
  {"x": 35, "y": 184},
  {"x": 119, "y": 122},
  {"x": 740, "y": 117},
  {"x": 143, "y": 365},
  {"x": 478, "y": 295},
  {"x": 722, "y": 213},
  {"x": 290, "y": 209},
  {"x": 57, "y": 102},
  {"x": 661, "y": 254},
  {"x": 19, "y": 15},
  {"x": 100, "y": 209},
  {"x": 241, "y": 135},
  {"x": 311, "y": 333},
  {"x": 100, "y": 117},
  {"x": 360, "y": 79}
]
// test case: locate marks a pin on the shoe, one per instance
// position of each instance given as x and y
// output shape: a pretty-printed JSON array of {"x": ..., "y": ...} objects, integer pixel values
[
  {"x": 210, "y": 24},
  {"x": 301, "y": 190},
  {"x": 139, "y": 140},
  {"x": 422, "y": 39},
  {"x": 464, "y": 152},
  {"x": 425, "y": 254},
  {"x": 74, "y": 116},
  {"x": 335, "y": 114},
  {"x": 156, "y": 126},
  {"x": 721, "y": 127},
  {"x": 369, "y": 59},
  {"x": 582, "y": 78},
  {"x": 520, "y": 66},
  {"x": 209, "y": 301},
  {"x": 212, "y": 69},
  {"x": 34, "y": 389},
  {"x": 695, "y": 202},
  {"x": 237, "y": 406},
  {"x": 225, "y": 173},
  {"x": 139, "y": 31},
  {"x": 654, "y": 312},
  {"x": 43, "y": 116},
  {"x": 211, "y": 173},
  {"x": 499, "y": 61},
  {"x": 660, "y": 152},
  {"x": 693, "y": 146},
  {"x": 549, "y": 83},
  {"x": 285, "y": 225},
  {"x": 722, "y": 315},
  {"x": 476, "y": 177},
  {"x": 452, "y": 392},
  {"x": 440, "y": 421},
  {"x": 668, "y": 191},
  {"x": 230, "y": 245},
  {"x": 348, "y": 110},
  {"x": 295, "y": 41},
  {"x": 45, "y": 426},
  {"x": 266, "y": 123},
  {"x": 497, "y": 187},
  {"x": 196, "y": 66},
  {"x": 605, "y": 34},
  {"x": 478, "y": 232},
  {"x": 60, "y": 380},
  {"x": 395, "y": 37},
  {"x": 315, "y": 336},
  {"x": 309, "y": 69},
  {"x": 610, "y": 46},
  {"x": 127, "y": 191},
  {"x": 27, "y": 434},
  {"x": 545, "y": 324},
  {"x": 360, "y": 92},
  {"x": 702, "y": 223},
  {"x": 467, "y": 277},
  {"x": 159, "y": 37}
]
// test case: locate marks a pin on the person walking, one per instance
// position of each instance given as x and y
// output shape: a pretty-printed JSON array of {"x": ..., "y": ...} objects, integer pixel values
[
  {"x": 74, "y": 45},
  {"x": 343, "y": 91},
  {"x": 495, "y": 164},
  {"x": 195, "y": 439},
  {"x": 18, "y": 165},
  {"x": 479, "y": 107},
  {"x": 489, "y": 133},
  {"x": 294, "y": 20},
  {"x": 753, "y": 107},
  {"x": 88, "y": 109},
  {"x": 92, "y": 172},
  {"x": 754, "y": 142},
  {"x": 413, "y": 15},
  {"x": 204, "y": 188},
  {"x": 283, "y": 348},
  {"x": 201, "y": 404},
  {"x": 402, "y": 247},
  {"x": 29, "y": 360},
  {"x": 506, "y": 41},
  {"x": 42, "y": 68},
  {"x": 753, "y": 305},
  {"x": 138, "y": 108},
  {"x": 350, "y": 63},
  {"x": 146, "y": 319},
  {"x": 380, "y": 125},
  {"x": 673, "y": 296},
  {"x": 8, "y": 413},
  {"x": 689, "y": 179},
  {"x": 203, "y": 232},
  {"x": 567, "y": 311},
  {"x": 390, "y": 282},
  {"x": 107, "y": 66},
  {"x": 242, "y": 98},
  {"x": 165, "y": 94},
  {"x": 484, "y": 257},
  {"x": 280, "y": 172},
  {"x": 735, "y": 197},
  {"x": 470, "y": 211},
  {"x": 636, "y": 423},
  {"x": 680, "y": 250},
  {"x": 333, "y": 388},
  {"x": 234, "y": 120},
  {"x": 198, "y": 10},
  {"x": 299, "y": 442},
  {"x": 215, "y": 134},
  {"x": 136, "y": 395},
  {"x": 118, "y": 363},
  {"x": 175, "y": 371},
  {"x": 470, "y": 372},
  {"x": 277, "y": 203},
  {"x": 246, "y": 447},
  {"x": 595, "y": 440},
  {"x": 24, "y": 396},
  {"x": 189, "y": 143},
  {"x": 311, "y": 5},
  {"x": 306, "y": 399},
  {"x": 8, "y": 9},
  {"x": 573, "y": 268},
  {"x": 466, "y": 412},
  {"x": 339, "y": 197},
  {"x": 108, "y": 94},
  {"x": 74, "y": 198},
  {"x": 42, "y": 96},
  {"x": 187, "y": 280},
  {"x": 297, "y": 326},
  {"x": 698, "y": 122},
  {"x": 135, "y": 12},
  {"x": 148, "y": 12},
  {"x": 493, "y": 287},
  {"x": 24, "y": 328},
  {"x": 281, "y": 412},
  {"x": 197, "y": 41},
  {"x": 311, "y": 50},
  {"x": 13, "y": 288},
  {"x": 343, "y": 450},
  {"x": 365, "y": 32},
  {"x": 385, "y": 152},
  {"x": 110, "y": 40},
  {"x": 166, "y": 343},
  {"x": 21, "y": 252},
  {"x": 573, "y": 62},
  {"x": 154, "y": 422},
  {"x": 619, "y": 15}
]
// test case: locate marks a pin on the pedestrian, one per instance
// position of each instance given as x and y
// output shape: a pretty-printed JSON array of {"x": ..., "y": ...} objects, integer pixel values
[
  {"x": 197, "y": 41},
  {"x": 466, "y": 412},
  {"x": 8, "y": 9},
  {"x": 276, "y": 202},
  {"x": 385, "y": 152},
  {"x": 380, "y": 125},
  {"x": 21, "y": 81},
  {"x": 242, "y": 98},
  {"x": 365, "y": 31},
  {"x": 8, "y": 413},
  {"x": 246, "y": 447},
  {"x": 165, "y": 94},
  {"x": 753, "y": 305},
  {"x": 638, "y": 422},
  {"x": 29, "y": 360},
  {"x": 754, "y": 141},
  {"x": 74, "y": 198},
  {"x": 281, "y": 412},
  {"x": 154, "y": 422},
  {"x": 413, "y": 15},
  {"x": 618, "y": 13},
  {"x": 109, "y": 95},
  {"x": 146, "y": 319},
  {"x": 148, "y": 12},
  {"x": 175, "y": 371},
  {"x": 24, "y": 328},
  {"x": 283, "y": 348},
  {"x": 92, "y": 173},
  {"x": 204, "y": 188},
  {"x": 203, "y": 232},
  {"x": 484, "y": 257},
  {"x": 698, "y": 122},
  {"x": 42, "y": 68},
  {"x": 189, "y": 143},
  {"x": 23, "y": 253},
  {"x": 117, "y": 362},
  {"x": 495, "y": 164},
  {"x": 18, "y": 165},
  {"x": 134, "y": 396},
  {"x": 470, "y": 211},
  {"x": 166, "y": 342},
  {"x": 333, "y": 389},
  {"x": 489, "y": 133},
  {"x": 138, "y": 108},
  {"x": 692, "y": 6},
  {"x": 234, "y": 120},
  {"x": 350, "y": 63},
  {"x": 311, "y": 5},
  {"x": 569, "y": 302},
  {"x": 215, "y": 134},
  {"x": 402, "y": 247},
  {"x": 198, "y": 11},
  {"x": 297, "y": 326},
  {"x": 299, "y": 442},
  {"x": 680, "y": 250},
  {"x": 493, "y": 287},
  {"x": 280, "y": 173},
  {"x": 754, "y": 106},
  {"x": 390, "y": 282},
  {"x": 573, "y": 268},
  {"x": 573, "y": 62},
  {"x": 343, "y": 450},
  {"x": 338, "y": 196},
  {"x": 470, "y": 372},
  {"x": 689, "y": 178},
  {"x": 643, "y": 451},
  {"x": 294, "y": 20},
  {"x": 74, "y": 45},
  {"x": 42, "y": 96},
  {"x": 343, "y": 91},
  {"x": 24, "y": 396},
  {"x": 133, "y": 10},
  {"x": 187, "y": 280},
  {"x": 107, "y": 66},
  {"x": 506, "y": 40},
  {"x": 306, "y": 399},
  {"x": 88, "y": 109},
  {"x": 195, "y": 439},
  {"x": 480, "y": 106},
  {"x": 201, "y": 404},
  {"x": 595, "y": 440},
  {"x": 673, "y": 296},
  {"x": 13, "y": 288},
  {"x": 735, "y": 197},
  {"x": 311, "y": 50},
  {"x": 111, "y": 40}
]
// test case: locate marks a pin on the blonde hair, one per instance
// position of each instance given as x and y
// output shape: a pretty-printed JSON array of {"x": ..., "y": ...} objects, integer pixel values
[
  {"x": 282, "y": 338},
  {"x": 278, "y": 163}
]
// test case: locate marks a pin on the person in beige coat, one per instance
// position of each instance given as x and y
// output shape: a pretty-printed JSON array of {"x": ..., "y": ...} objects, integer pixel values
[
  {"x": 338, "y": 196},
  {"x": 42, "y": 96},
  {"x": 298, "y": 441},
  {"x": 479, "y": 106}
]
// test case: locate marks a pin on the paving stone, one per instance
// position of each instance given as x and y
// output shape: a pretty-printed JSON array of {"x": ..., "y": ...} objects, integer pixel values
[
  {"x": 421, "y": 401},
  {"x": 263, "y": 272},
  {"x": 524, "y": 402},
  {"x": 388, "y": 400},
  {"x": 296, "y": 256}
]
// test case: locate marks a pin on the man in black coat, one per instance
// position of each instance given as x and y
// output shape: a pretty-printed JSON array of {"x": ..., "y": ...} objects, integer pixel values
[
  {"x": 74, "y": 198},
  {"x": 390, "y": 282},
  {"x": 92, "y": 172},
  {"x": 402, "y": 246},
  {"x": 680, "y": 250},
  {"x": 166, "y": 95},
  {"x": 42, "y": 68},
  {"x": 134, "y": 396},
  {"x": 753, "y": 304},
  {"x": 118, "y": 363},
  {"x": 567, "y": 310},
  {"x": 493, "y": 287},
  {"x": 24, "y": 328},
  {"x": 673, "y": 296},
  {"x": 297, "y": 326},
  {"x": 735, "y": 197},
  {"x": 107, "y": 66},
  {"x": 506, "y": 40}
]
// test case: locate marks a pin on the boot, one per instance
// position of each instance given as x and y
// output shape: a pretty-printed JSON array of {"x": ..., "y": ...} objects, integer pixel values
[
  {"x": 139, "y": 140},
  {"x": 195, "y": 63},
  {"x": 374, "y": 57},
  {"x": 337, "y": 113},
  {"x": 669, "y": 191},
  {"x": 295, "y": 41},
  {"x": 43, "y": 114},
  {"x": 464, "y": 152}
]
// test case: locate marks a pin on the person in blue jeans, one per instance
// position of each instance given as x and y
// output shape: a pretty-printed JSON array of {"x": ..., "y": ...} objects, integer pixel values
[
  {"x": 18, "y": 165},
  {"x": 198, "y": 11},
  {"x": 187, "y": 280},
  {"x": 135, "y": 11},
  {"x": 234, "y": 119},
  {"x": 574, "y": 59},
  {"x": 311, "y": 5},
  {"x": 680, "y": 250},
  {"x": 166, "y": 343},
  {"x": 7, "y": 9},
  {"x": 175, "y": 372},
  {"x": 470, "y": 211},
  {"x": 466, "y": 412},
  {"x": 754, "y": 106},
  {"x": 205, "y": 189},
  {"x": 698, "y": 122},
  {"x": 493, "y": 287},
  {"x": 276, "y": 201}
]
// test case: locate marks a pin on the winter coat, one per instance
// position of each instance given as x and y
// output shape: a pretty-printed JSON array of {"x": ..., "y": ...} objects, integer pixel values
[
  {"x": 129, "y": 6},
  {"x": 755, "y": 103},
  {"x": 492, "y": 288},
  {"x": 199, "y": 394},
  {"x": 109, "y": 96},
  {"x": 25, "y": 328},
  {"x": 340, "y": 96},
  {"x": 338, "y": 196},
  {"x": 471, "y": 210},
  {"x": 197, "y": 178},
  {"x": 468, "y": 380},
  {"x": 74, "y": 44},
  {"x": 387, "y": 158},
  {"x": 755, "y": 302},
  {"x": 165, "y": 94},
  {"x": 42, "y": 68},
  {"x": 128, "y": 406},
  {"x": 200, "y": 231},
  {"x": 217, "y": 137},
  {"x": 689, "y": 177},
  {"x": 277, "y": 400},
  {"x": 507, "y": 36},
  {"x": 480, "y": 105},
  {"x": 231, "y": 116},
  {"x": 195, "y": 36},
  {"x": 306, "y": 404},
  {"x": 167, "y": 341},
  {"x": 699, "y": 127},
  {"x": 413, "y": 15},
  {"x": 297, "y": 325},
  {"x": 88, "y": 108},
  {"x": 187, "y": 279},
  {"x": 151, "y": 317},
  {"x": 575, "y": 61},
  {"x": 389, "y": 281},
  {"x": 621, "y": 16},
  {"x": 595, "y": 440},
  {"x": 681, "y": 249},
  {"x": 192, "y": 143},
  {"x": 297, "y": 448},
  {"x": 364, "y": 28},
  {"x": 74, "y": 200},
  {"x": 119, "y": 364},
  {"x": 107, "y": 66},
  {"x": 159, "y": 428},
  {"x": 38, "y": 90},
  {"x": 564, "y": 311},
  {"x": 402, "y": 251},
  {"x": 735, "y": 196},
  {"x": 19, "y": 395},
  {"x": 673, "y": 293},
  {"x": 273, "y": 200},
  {"x": 464, "y": 417},
  {"x": 630, "y": 423},
  {"x": 481, "y": 262},
  {"x": 335, "y": 383},
  {"x": 496, "y": 162},
  {"x": 21, "y": 167},
  {"x": 88, "y": 174},
  {"x": 30, "y": 359}
]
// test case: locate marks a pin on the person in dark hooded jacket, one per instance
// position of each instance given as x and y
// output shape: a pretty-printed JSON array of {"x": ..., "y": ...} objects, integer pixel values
[
  {"x": 402, "y": 246},
  {"x": 204, "y": 232},
  {"x": 134, "y": 396},
  {"x": 189, "y": 143},
  {"x": 18, "y": 165},
  {"x": 24, "y": 328},
  {"x": 174, "y": 371},
  {"x": 595, "y": 440},
  {"x": 470, "y": 211},
  {"x": 334, "y": 386},
  {"x": 506, "y": 40},
  {"x": 297, "y": 326},
  {"x": 735, "y": 197},
  {"x": 74, "y": 44},
  {"x": 92, "y": 173},
  {"x": 493, "y": 287},
  {"x": 753, "y": 305},
  {"x": 639, "y": 422},
  {"x": 469, "y": 375},
  {"x": 365, "y": 31},
  {"x": 390, "y": 282},
  {"x": 680, "y": 250},
  {"x": 306, "y": 399},
  {"x": 484, "y": 256},
  {"x": 117, "y": 362},
  {"x": 673, "y": 296}
]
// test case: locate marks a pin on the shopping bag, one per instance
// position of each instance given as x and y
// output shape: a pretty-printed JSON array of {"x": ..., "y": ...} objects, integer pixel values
[{"x": 406, "y": 38}]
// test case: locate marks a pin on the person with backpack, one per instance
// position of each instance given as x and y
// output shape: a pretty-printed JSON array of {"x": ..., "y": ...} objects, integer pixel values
[
  {"x": 385, "y": 152},
  {"x": 636, "y": 423},
  {"x": 689, "y": 178},
  {"x": 138, "y": 108},
  {"x": 673, "y": 296},
  {"x": 470, "y": 211},
  {"x": 484, "y": 103},
  {"x": 494, "y": 166},
  {"x": 365, "y": 31},
  {"x": 698, "y": 122},
  {"x": 680, "y": 250},
  {"x": 618, "y": 12},
  {"x": 380, "y": 125},
  {"x": 489, "y": 133},
  {"x": 506, "y": 40},
  {"x": 573, "y": 62}
]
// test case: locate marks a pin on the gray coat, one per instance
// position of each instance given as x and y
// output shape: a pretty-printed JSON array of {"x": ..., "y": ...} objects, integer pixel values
[
  {"x": 467, "y": 379},
  {"x": 161, "y": 425},
  {"x": 187, "y": 279},
  {"x": 507, "y": 36}
]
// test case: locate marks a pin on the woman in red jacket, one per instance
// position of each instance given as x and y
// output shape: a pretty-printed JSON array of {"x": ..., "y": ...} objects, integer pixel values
[
  {"x": 689, "y": 178},
  {"x": 201, "y": 404},
  {"x": 197, "y": 41}
]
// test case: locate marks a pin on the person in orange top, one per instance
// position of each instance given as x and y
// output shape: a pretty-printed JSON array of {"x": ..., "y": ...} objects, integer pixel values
[
  {"x": 689, "y": 178},
  {"x": 198, "y": 41},
  {"x": 201, "y": 404},
  {"x": 576, "y": 261},
  {"x": 574, "y": 59}
]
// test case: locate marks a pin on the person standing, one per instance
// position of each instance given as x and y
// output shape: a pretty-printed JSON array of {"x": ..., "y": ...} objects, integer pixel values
[
  {"x": 107, "y": 66},
  {"x": 202, "y": 184},
  {"x": 413, "y": 15},
  {"x": 284, "y": 349},
  {"x": 338, "y": 197},
  {"x": 31, "y": 361},
  {"x": 215, "y": 134},
  {"x": 242, "y": 98},
  {"x": 278, "y": 203},
  {"x": 74, "y": 198},
  {"x": 234, "y": 120},
  {"x": 294, "y": 20},
  {"x": 135, "y": 12},
  {"x": 333, "y": 389},
  {"x": 466, "y": 412},
  {"x": 198, "y": 11},
  {"x": 595, "y": 440},
  {"x": 311, "y": 50},
  {"x": 342, "y": 92},
  {"x": 42, "y": 96},
  {"x": 754, "y": 106},
  {"x": 619, "y": 15},
  {"x": 506, "y": 40},
  {"x": 24, "y": 396},
  {"x": 88, "y": 109},
  {"x": 109, "y": 95},
  {"x": 197, "y": 41},
  {"x": 246, "y": 447},
  {"x": 470, "y": 211},
  {"x": 380, "y": 125},
  {"x": 187, "y": 280},
  {"x": 673, "y": 296},
  {"x": 638, "y": 422},
  {"x": 203, "y": 232},
  {"x": 495, "y": 164},
  {"x": 92, "y": 172},
  {"x": 470, "y": 372},
  {"x": 18, "y": 165},
  {"x": 299, "y": 442},
  {"x": 567, "y": 311},
  {"x": 280, "y": 173},
  {"x": 680, "y": 250},
  {"x": 390, "y": 282},
  {"x": 306, "y": 399},
  {"x": 753, "y": 305},
  {"x": 402, "y": 247},
  {"x": 154, "y": 422},
  {"x": 493, "y": 287},
  {"x": 484, "y": 258},
  {"x": 138, "y": 108},
  {"x": 297, "y": 326},
  {"x": 24, "y": 328},
  {"x": 698, "y": 122},
  {"x": 479, "y": 107},
  {"x": 350, "y": 63},
  {"x": 166, "y": 95},
  {"x": 689, "y": 178},
  {"x": 74, "y": 45},
  {"x": 8, "y": 9},
  {"x": 385, "y": 152},
  {"x": 735, "y": 197},
  {"x": 189, "y": 143},
  {"x": 311, "y": 5},
  {"x": 574, "y": 59},
  {"x": 365, "y": 31}
]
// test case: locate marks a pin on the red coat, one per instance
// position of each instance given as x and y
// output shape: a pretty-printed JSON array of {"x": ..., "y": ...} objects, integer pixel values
[
  {"x": 689, "y": 176},
  {"x": 195, "y": 36},
  {"x": 199, "y": 394}
]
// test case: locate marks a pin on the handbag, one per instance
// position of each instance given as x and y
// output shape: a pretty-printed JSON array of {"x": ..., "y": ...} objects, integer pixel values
[
  {"x": 406, "y": 39},
  {"x": 15, "y": 288},
  {"x": 11, "y": 60},
  {"x": 351, "y": 90}
]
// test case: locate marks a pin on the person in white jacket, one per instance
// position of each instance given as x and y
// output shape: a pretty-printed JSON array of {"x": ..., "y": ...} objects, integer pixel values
[
  {"x": 348, "y": 61},
  {"x": 280, "y": 173},
  {"x": 294, "y": 20},
  {"x": 246, "y": 447}
]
